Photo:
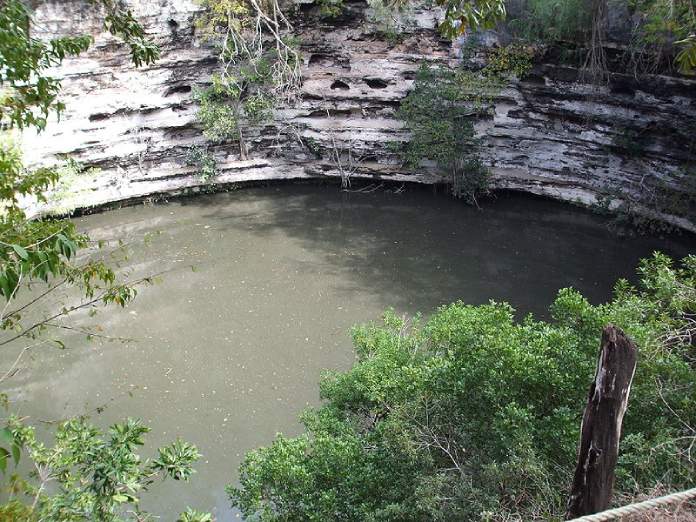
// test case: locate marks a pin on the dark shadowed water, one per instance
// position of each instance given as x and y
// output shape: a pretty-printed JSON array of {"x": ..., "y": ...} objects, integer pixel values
[{"x": 227, "y": 356}]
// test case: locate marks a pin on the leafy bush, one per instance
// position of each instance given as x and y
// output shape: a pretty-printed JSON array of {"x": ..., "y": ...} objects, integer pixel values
[
  {"x": 219, "y": 109},
  {"x": 475, "y": 415},
  {"x": 204, "y": 160},
  {"x": 464, "y": 15},
  {"x": 234, "y": 101},
  {"x": 92, "y": 475},
  {"x": 259, "y": 65},
  {"x": 441, "y": 109},
  {"x": 330, "y": 8}
]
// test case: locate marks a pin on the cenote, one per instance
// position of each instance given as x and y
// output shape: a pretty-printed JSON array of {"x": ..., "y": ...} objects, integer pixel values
[{"x": 227, "y": 354}]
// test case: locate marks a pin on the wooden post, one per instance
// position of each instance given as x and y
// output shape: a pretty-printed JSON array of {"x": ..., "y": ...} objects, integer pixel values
[{"x": 601, "y": 425}]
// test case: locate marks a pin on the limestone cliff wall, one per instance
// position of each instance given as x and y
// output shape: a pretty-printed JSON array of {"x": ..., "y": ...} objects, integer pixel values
[{"x": 550, "y": 134}]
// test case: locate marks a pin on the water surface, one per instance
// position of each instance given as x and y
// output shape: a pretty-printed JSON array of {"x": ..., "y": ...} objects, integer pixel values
[{"x": 227, "y": 355}]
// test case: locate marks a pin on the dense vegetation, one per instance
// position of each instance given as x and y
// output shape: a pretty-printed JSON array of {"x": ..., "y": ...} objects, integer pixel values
[
  {"x": 662, "y": 33},
  {"x": 475, "y": 415}
]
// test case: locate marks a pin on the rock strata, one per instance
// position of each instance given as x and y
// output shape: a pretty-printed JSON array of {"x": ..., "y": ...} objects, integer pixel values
[{"x": 549, "y": 134}]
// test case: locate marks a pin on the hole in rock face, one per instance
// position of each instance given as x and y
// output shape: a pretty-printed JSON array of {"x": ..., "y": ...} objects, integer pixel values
[
  {"x": 320, "y": 59},
  {"x": 622, "y": 87},
  {"x": 173, "y": 24},
  {"x": 177, "y": 89},
  {"x": 338, "y": 84},
  {"x": 408, "y": 75},
  {"x": 375, "y": 83},
  {"x": 99, "y": 116},
  {"x": 535, "y": 78}
]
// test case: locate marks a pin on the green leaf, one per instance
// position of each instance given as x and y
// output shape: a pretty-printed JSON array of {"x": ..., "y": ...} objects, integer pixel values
[
  {"x": 21, "y": 252},
  {"x": 4, "y": 454},
  {"x": 16, "y": 453},
  {"x": 6, "y": 436}
]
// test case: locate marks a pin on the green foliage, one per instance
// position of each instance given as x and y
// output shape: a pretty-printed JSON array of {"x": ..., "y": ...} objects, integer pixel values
[
  {"x": 41, "y": 249},
  {"x": 441, "y": 109},
  {"x": 38, "y": 250},
  {"x": 93, "y": 475},
  {"x": 27, "y": 95},
  {"x": 553, "y": 21},
  {"x": 662, "y": 29},
  {"x": 464, "y": 15},
  {"x": 205, "y": 161},
  {"x": 235, "y": 100},
  {"x": 121, "y": 23},
  {"x": 218, "y": 109},
  {"x": 74, "y": 182},
  {"x": 191, "y": 515},
  {"x": 438, "y": 115},
  {"x": 475, "y": 415},
  {"x": 217, "y": 15},
  {"x": 469, "y": 179},
  {"x": 502, "y": 63},
  {"x": 256, "y": 71},
  {"x": 330, "y": 8},
  {"x": 686, "y": 58},
  {"x": 391, "y": 21},
  {"x": 665, "y": 24}
]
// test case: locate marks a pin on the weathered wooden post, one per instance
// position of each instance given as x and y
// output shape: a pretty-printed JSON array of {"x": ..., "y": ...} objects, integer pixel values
[{"x": 601, "y": 425}]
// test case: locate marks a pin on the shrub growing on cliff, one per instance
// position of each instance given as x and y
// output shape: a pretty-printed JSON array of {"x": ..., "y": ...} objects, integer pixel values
[
  {"x": 470, "y": 15},
  {"x": 230, "y": 103},
  {"x": 441, "y": 123},
  {"x": 666, "y": 28},
  {"x": 205, "y": 161},
  {"x": 259, "y": 65},
  {"x": 440, "y": 112},
  {"x": 553, "y": 21},
  {"x": 475, "y": 415}
]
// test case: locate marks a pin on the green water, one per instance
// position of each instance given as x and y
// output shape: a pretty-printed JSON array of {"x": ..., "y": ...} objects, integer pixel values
[{"x": 227, "y": 355}]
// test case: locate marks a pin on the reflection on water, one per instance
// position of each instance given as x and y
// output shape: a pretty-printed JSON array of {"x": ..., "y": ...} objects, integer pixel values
[{"x": 226, "y": 356}]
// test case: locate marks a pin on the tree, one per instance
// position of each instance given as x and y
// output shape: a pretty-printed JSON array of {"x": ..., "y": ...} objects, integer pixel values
[{"x": 96, "y": 477}]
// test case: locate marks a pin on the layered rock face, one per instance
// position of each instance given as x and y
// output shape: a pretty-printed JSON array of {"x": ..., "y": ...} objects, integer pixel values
[{"x": 549, "y": 134}]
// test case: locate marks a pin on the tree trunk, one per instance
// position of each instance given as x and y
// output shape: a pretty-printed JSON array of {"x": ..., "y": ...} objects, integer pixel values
[
  {"x": 242, "y": 146},
  {"x": 601, "y": 425}
]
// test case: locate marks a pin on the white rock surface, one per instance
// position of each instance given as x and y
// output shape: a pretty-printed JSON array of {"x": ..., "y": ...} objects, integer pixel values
[{"x": 549, "y": 135}]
